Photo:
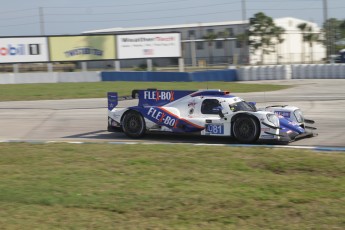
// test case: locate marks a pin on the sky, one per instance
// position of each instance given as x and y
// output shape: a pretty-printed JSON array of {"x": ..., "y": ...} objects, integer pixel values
[{"x": 52, "y": 17}]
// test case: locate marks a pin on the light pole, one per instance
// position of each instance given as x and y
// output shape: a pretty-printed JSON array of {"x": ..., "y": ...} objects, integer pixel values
[
  {"x": 327, "y": 28},
  {"x": 41, "y": 20},
  {"x": 244, "y": 16}
]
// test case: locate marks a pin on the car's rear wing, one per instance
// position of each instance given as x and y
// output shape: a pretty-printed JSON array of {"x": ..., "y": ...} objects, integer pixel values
[{"x": 112, "y": 100}]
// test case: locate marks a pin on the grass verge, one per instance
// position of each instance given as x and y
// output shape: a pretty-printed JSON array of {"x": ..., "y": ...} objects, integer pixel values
[
  {"x": 18, "y": 92},
  {"x": 102, "y": 186}
]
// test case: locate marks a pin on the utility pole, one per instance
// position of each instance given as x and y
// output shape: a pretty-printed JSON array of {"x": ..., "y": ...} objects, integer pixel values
[
  {"x": 245, "y": 42},
  {"x": 327, "y": 27},
  {"x": 244, "y": 16},
  {"x": 41, "y": 20}
]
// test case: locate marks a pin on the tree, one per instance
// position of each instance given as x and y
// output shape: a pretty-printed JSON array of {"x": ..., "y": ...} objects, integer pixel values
[
  {"x": 243, "y": 40},
  {"x": 303, "y": 28},
  {"x": 264, "y": 34},
  {"x": 225, "y": 34},
  {"x": 334, "y": 30},
  {"x": 309, "y": 36},
  {"x": 209, "y": 38},
  {"x": 278, "y": 32}
]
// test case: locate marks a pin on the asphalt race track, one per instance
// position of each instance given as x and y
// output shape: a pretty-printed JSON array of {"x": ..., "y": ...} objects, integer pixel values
[{"x": 86, "y": 119}]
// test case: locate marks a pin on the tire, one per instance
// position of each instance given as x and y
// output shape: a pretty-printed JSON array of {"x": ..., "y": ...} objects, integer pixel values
[
  {"x": 246, "y": 129},
  {"x": 133, "y": 124}
]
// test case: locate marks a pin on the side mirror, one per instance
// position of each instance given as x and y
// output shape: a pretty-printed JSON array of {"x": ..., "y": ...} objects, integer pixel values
[
  {"x": 220, "y": 113},
  {"x": 219, "y": 109},
  {"x": 253, "y": 105}
]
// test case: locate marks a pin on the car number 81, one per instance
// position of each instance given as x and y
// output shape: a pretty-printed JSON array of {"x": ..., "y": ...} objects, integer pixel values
[{"x": 215, "y": 128}]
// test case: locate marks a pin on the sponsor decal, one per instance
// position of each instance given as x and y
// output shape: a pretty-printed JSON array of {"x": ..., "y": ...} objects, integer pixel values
[
  {"x": 265, "y": 129},
  {"x": 192, "y": 104},
  {"x": 148, "y": 51},
  {"x": 20, "y": 49},
  {"x": 80, "y": 48},
  {"x": 214, "y": 128},
  {"x": 112, "y": 100},
  {"x": 159, "y": 95},
  {"x": 267, "y": 136},
  {"x": 283, "y": 113},
  {"x": 191, "y": 111},
  {"x": 162, "y": 117},
  {"x": 83, "y": 51},
  {"x": 148, "y": 45},
  {"x": 149, "y": 39}
]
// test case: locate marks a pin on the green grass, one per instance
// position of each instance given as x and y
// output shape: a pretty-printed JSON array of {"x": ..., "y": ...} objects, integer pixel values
[
  {"x": 103, "y": 186},
  {"x": 17, "y": 92}
]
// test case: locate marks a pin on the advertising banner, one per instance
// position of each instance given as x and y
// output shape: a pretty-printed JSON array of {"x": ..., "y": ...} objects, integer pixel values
[
  {"x": 23, "y": 49},
  {"x": 82, "y": 48},
  {"x": 148, "y": 45}
]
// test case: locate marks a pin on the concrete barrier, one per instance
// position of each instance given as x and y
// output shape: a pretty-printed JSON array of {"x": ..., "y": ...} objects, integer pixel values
[
  {"x": 217, "y": 75},
  {"x": 286, "y": 72},
  {"x": 246, "y": 73},
  {"x": 273, "y": 72},
  {"x": 318, "y": 71},
  {"x": 79, "y": 77},
  {"x": 54, "y": 77}
]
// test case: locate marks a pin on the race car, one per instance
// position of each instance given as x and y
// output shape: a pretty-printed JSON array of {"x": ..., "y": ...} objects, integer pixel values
[{"x": 210, "y": 112}]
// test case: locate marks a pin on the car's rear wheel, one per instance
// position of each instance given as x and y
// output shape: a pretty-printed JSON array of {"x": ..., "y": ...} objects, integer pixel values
[
  {"x": 133, "y": 124},
  {"x": 246, "y": 129}
]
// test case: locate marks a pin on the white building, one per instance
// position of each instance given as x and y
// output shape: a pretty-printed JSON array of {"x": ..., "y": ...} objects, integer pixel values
[
  {"x": 293, "y": 49},
  {"x": 227, "y": 48}
]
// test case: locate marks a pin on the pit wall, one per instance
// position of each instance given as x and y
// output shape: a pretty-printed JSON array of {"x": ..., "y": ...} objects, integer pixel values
[{"x": 247, "y": 73}]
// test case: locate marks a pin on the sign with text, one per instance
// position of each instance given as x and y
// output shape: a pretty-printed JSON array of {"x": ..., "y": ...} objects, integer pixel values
[
  {"x": 23, "y": 49},
  {"x": 148, "y": 45},
  {"x": 82, "y": 48}
]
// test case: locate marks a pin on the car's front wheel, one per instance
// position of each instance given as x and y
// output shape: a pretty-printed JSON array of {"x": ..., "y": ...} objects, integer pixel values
[
  {"x": 133, "y": 124},
  {"x": 246, "y": 129}
]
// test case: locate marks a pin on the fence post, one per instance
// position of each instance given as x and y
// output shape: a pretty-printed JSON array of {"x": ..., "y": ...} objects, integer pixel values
[
  {"x": 15, "y": 68},
  {"x": 117, "y": 65},
  {"x": 181, "y": 64},
  {"x": 149, "y": 64},
  {"x": 50, "y": 67},
  {"x": 84, "y": 66}
]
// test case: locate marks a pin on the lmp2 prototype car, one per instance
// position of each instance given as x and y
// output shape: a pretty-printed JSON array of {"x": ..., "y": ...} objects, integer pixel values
[{"x": 206, "y": 112}]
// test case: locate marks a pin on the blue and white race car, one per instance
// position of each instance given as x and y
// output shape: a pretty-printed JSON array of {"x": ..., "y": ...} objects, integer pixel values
[{"x": 206, "y": 112}]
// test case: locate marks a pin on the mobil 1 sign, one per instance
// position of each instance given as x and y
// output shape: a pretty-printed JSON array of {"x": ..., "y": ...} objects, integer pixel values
[
  {"x": 23, "y": 49},
  {"x": 148, "y": 45}
]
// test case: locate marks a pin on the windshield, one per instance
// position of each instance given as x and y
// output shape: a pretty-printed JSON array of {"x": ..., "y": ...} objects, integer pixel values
[
  {"x": 299, "y": 115},
  {"x": 242, "y": 106}
]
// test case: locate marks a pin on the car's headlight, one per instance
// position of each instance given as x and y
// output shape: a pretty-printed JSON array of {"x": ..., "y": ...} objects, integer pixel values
[{"x": 273, "y": 119}]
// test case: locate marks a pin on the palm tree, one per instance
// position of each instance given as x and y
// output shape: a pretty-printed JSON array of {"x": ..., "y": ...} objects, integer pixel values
[
  {"x": 209, "y": 38},
  {"x": 224, "y": 34},
  {"x": 242, "y": 38},
  {"x": 264, "y": 34},
  {"x": 309, "y": 36},
  {"x": 303, "y": 28},
  {"x": 278, "y": 32}
]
